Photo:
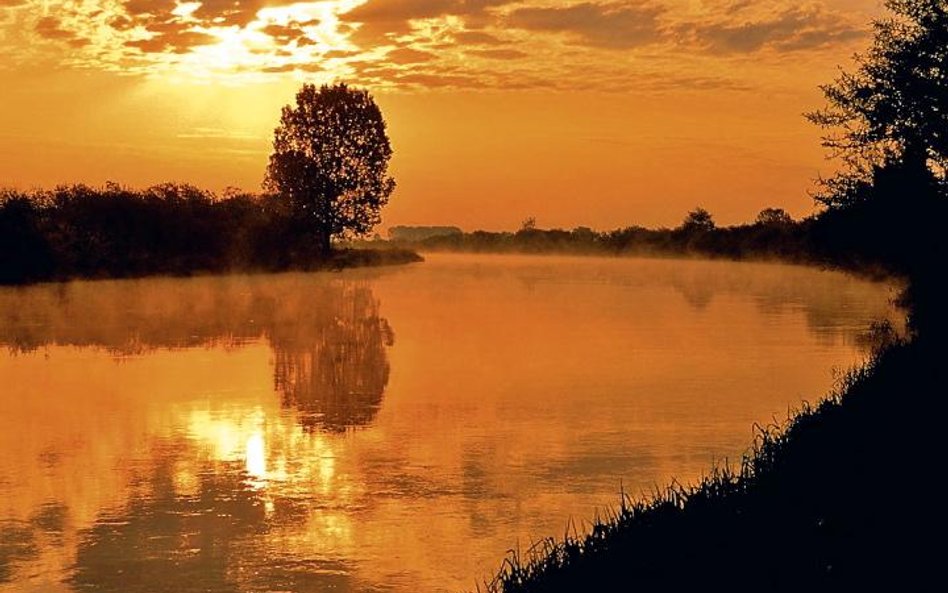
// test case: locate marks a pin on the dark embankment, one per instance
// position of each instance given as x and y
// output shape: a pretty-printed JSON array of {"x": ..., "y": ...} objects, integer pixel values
[
  {"x": 115, "y": 232},
  {"x": 840, "y": 497}
]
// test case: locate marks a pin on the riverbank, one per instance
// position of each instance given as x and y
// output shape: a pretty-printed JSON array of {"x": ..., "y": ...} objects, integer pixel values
[{"x": 831, "y": 500}]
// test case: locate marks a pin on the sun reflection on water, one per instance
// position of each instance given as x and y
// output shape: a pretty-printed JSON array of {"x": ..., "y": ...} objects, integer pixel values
[{"x": 256, "y": 457}]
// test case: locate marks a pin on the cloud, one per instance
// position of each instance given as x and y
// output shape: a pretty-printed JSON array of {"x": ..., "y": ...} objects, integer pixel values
[
  {"x": 434, "y": 80},
  {"x": 376, "y": 11},
  {"x": 407, "y": 55},
  {"x": 792, "y": 29},
  {"x": 505, "y": 44},
  {"x": 178, "y": 42},
  {"x": 380, "y": 20},
  {"x": 498, "y": 54},
  {"x": 297, "y": 67},
  {"x": 476, "y": 38},
  {"x": 228, "y": 12},
  {"x": 612, "y": 26},
  {"x": 50, "y": 28},
  {"x": 282, "y": 33}
]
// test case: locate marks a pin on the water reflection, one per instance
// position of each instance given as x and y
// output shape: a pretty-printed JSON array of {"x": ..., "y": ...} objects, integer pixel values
[
  {"x": 328, "y": 339},
  {"x": 199, "y": 539},
  {"x": 334, "y": 369}
]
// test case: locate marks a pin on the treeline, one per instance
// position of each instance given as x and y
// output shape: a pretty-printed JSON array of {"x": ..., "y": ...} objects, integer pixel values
[
  {"x": 785, "y": 240},
  {"x": 883, "y": 233},
  {"x": 175, "y": 229},
  {"x": 420, "y": 233}
]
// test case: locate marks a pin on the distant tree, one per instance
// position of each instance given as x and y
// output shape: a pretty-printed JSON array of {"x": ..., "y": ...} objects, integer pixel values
[
  {"x": 890, "y": 117},
  {"x": 330, "y": 160},
  {"x": 698, "y": 219},
  {"x": 773, "y": 216},
  {"x": 529, "y": 224}
]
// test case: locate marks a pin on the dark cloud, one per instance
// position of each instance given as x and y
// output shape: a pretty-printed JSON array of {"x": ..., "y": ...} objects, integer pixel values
[
  {"x": 613, "y": 26},
  {"x": 122, "y": 23},
  {"x": 434, "y": 80},
  {"x": 375, "y": 70},
  {"x": 137, "y": 8},
  {"x": 476, "y": 38},
  {"x": 218, "y": 12},
  {"x": 155, "y": 14},
  {"x": 797, "y": 28},
  {"x": 172, "y": 34},
  {"x": 178, "y": 42},
  {"x": 381, "y": 20},
  {"x": 283, "y": 33},
  {"x": 402, "y": 10},
  {"x": 50, "y": 27},
  {"x": 381, "y": 33},
  {"x": 229, "y": 12},
  {"x": 340, "y": 53},
  {"x": 498, "y": 54},
  {"x": 284, "y": 68},
  {"x": 407, "y": 55}
]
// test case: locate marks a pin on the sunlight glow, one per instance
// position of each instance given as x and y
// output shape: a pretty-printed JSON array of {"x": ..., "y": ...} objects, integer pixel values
[{"x": 185, "y": 9}]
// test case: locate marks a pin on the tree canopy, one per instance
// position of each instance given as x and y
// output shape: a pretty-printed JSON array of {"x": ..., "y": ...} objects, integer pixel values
[
  {"x": 330, "y": 161},
  {"x": 892, "y": 111},
  {"x": 698, "y": 220},
  {"x": 773, "y": 216}
]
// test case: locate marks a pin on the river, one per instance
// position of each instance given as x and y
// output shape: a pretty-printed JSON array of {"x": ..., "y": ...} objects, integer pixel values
[{"x": 390, "y": 429}]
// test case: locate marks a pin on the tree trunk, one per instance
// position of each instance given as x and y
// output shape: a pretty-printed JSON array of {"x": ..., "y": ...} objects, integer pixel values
[{"x": 324, "y": 243}]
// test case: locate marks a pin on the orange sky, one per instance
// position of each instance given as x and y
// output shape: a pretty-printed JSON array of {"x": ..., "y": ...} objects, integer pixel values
[{"x": 601, "y": 113}]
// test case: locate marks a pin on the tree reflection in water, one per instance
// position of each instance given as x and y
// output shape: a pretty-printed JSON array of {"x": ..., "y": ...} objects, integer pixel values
[
  {"x": 335, "y": 370},
  {"x": 328, "y": 338}
]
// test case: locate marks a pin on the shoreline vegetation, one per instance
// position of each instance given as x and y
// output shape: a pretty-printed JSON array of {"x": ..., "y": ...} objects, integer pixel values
[
  {"x": 788, "y": 242},
  {"x": 78, "y": 231}
]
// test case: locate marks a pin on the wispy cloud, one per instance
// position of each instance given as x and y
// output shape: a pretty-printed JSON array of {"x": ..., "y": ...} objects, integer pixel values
[{"x": 792, "y": 28}]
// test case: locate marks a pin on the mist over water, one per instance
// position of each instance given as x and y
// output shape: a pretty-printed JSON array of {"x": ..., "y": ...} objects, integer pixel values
[{"x": 383, "y": 430}]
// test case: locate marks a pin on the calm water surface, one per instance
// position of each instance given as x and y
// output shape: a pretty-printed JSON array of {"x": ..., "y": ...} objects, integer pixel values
[{"x": 386, "y": 430}]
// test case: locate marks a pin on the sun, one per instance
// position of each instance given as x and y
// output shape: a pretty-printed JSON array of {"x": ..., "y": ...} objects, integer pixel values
[{"x": 304, "y": 38}]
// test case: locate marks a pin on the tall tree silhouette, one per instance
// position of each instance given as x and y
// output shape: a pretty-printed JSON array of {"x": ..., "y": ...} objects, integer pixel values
[
  {"x": 888, "y": 120},
  {"x": 330, "y": 160}
]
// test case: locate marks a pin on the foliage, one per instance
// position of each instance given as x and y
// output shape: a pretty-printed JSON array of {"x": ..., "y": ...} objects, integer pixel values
[
  {"x": 698, "y": 220},
  {"x": 420, "y": 233},
  {"x": 81, "y": 231},
  {"x": 773, "y": 216},
  {"x": 330, "y": 160},
  {"x": 893, "y": 109}
]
